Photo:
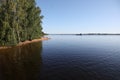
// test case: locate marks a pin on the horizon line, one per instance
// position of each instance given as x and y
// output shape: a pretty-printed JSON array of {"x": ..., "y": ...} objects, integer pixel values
[{"x": 84, "y": 34}]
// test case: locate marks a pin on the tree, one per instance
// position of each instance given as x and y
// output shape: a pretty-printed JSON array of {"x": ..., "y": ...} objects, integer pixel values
[
  {"x": 34, "y": 19},
  {"x": 20, "y": 20}
]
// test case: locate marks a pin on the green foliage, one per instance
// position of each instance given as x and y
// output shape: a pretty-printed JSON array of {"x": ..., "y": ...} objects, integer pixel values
[{"x": 20, "y": 20}]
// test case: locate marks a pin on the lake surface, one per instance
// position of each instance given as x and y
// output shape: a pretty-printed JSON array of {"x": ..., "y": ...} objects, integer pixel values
[{"x": 63, "y": 57}]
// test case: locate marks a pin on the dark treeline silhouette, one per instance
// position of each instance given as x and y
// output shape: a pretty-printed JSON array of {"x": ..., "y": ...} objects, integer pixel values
[{"x": 20, "y": 20}]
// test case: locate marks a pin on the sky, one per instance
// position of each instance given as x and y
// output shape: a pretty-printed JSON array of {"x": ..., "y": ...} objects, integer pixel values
[{"x": 80, "y": 16}]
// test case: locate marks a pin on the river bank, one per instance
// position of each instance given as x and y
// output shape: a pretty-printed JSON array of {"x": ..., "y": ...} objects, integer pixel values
[{"x": 25, "y": 42}]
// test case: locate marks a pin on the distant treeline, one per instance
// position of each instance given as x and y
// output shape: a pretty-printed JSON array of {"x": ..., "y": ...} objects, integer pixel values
[
  {"x": 20, "y": 20},
  {"x": 88, "y": 34},
  {"x": 98, "y": 34}
]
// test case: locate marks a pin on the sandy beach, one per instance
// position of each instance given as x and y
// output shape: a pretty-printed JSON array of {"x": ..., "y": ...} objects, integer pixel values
[{"x": 26, "y": 42}]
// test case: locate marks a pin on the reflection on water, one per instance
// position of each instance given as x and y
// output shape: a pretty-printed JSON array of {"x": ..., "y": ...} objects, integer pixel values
[
  {"x": 63, "y": 58},
  {"x": 21, "y": 63}
]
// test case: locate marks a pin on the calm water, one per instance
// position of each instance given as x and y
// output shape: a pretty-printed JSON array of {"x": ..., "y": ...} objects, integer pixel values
[{"x": 66, "y": 57}]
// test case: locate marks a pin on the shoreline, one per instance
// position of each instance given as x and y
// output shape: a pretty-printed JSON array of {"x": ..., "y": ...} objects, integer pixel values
[{"x": 25, "y": 42}]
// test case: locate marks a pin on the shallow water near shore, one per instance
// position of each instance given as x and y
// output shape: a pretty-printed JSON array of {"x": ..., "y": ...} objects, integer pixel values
[{"x": 63, "y": 57}]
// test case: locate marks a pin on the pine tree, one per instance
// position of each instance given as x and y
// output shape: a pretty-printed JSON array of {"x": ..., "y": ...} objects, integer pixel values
[
  {"x": 34, "y": 19},
  {"x": 20, "y": 20}
]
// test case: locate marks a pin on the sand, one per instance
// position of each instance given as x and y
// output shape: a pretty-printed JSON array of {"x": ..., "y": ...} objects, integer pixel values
[{"x": 26, "y": 42}]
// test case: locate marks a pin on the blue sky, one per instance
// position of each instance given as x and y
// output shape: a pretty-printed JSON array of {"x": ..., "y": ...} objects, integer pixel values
[{"x": 80, "y": 16}]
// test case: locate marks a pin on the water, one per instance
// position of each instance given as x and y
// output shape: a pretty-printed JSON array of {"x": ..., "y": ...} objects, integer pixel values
[
  {"x": 21, "y": 63},
  {"x": 63, "y": 57}
]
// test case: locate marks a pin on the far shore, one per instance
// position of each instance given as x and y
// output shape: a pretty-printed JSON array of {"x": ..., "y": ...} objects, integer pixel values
[
  {"x": 25, "y": 42},
  {"x": 89, "y": 34}
]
